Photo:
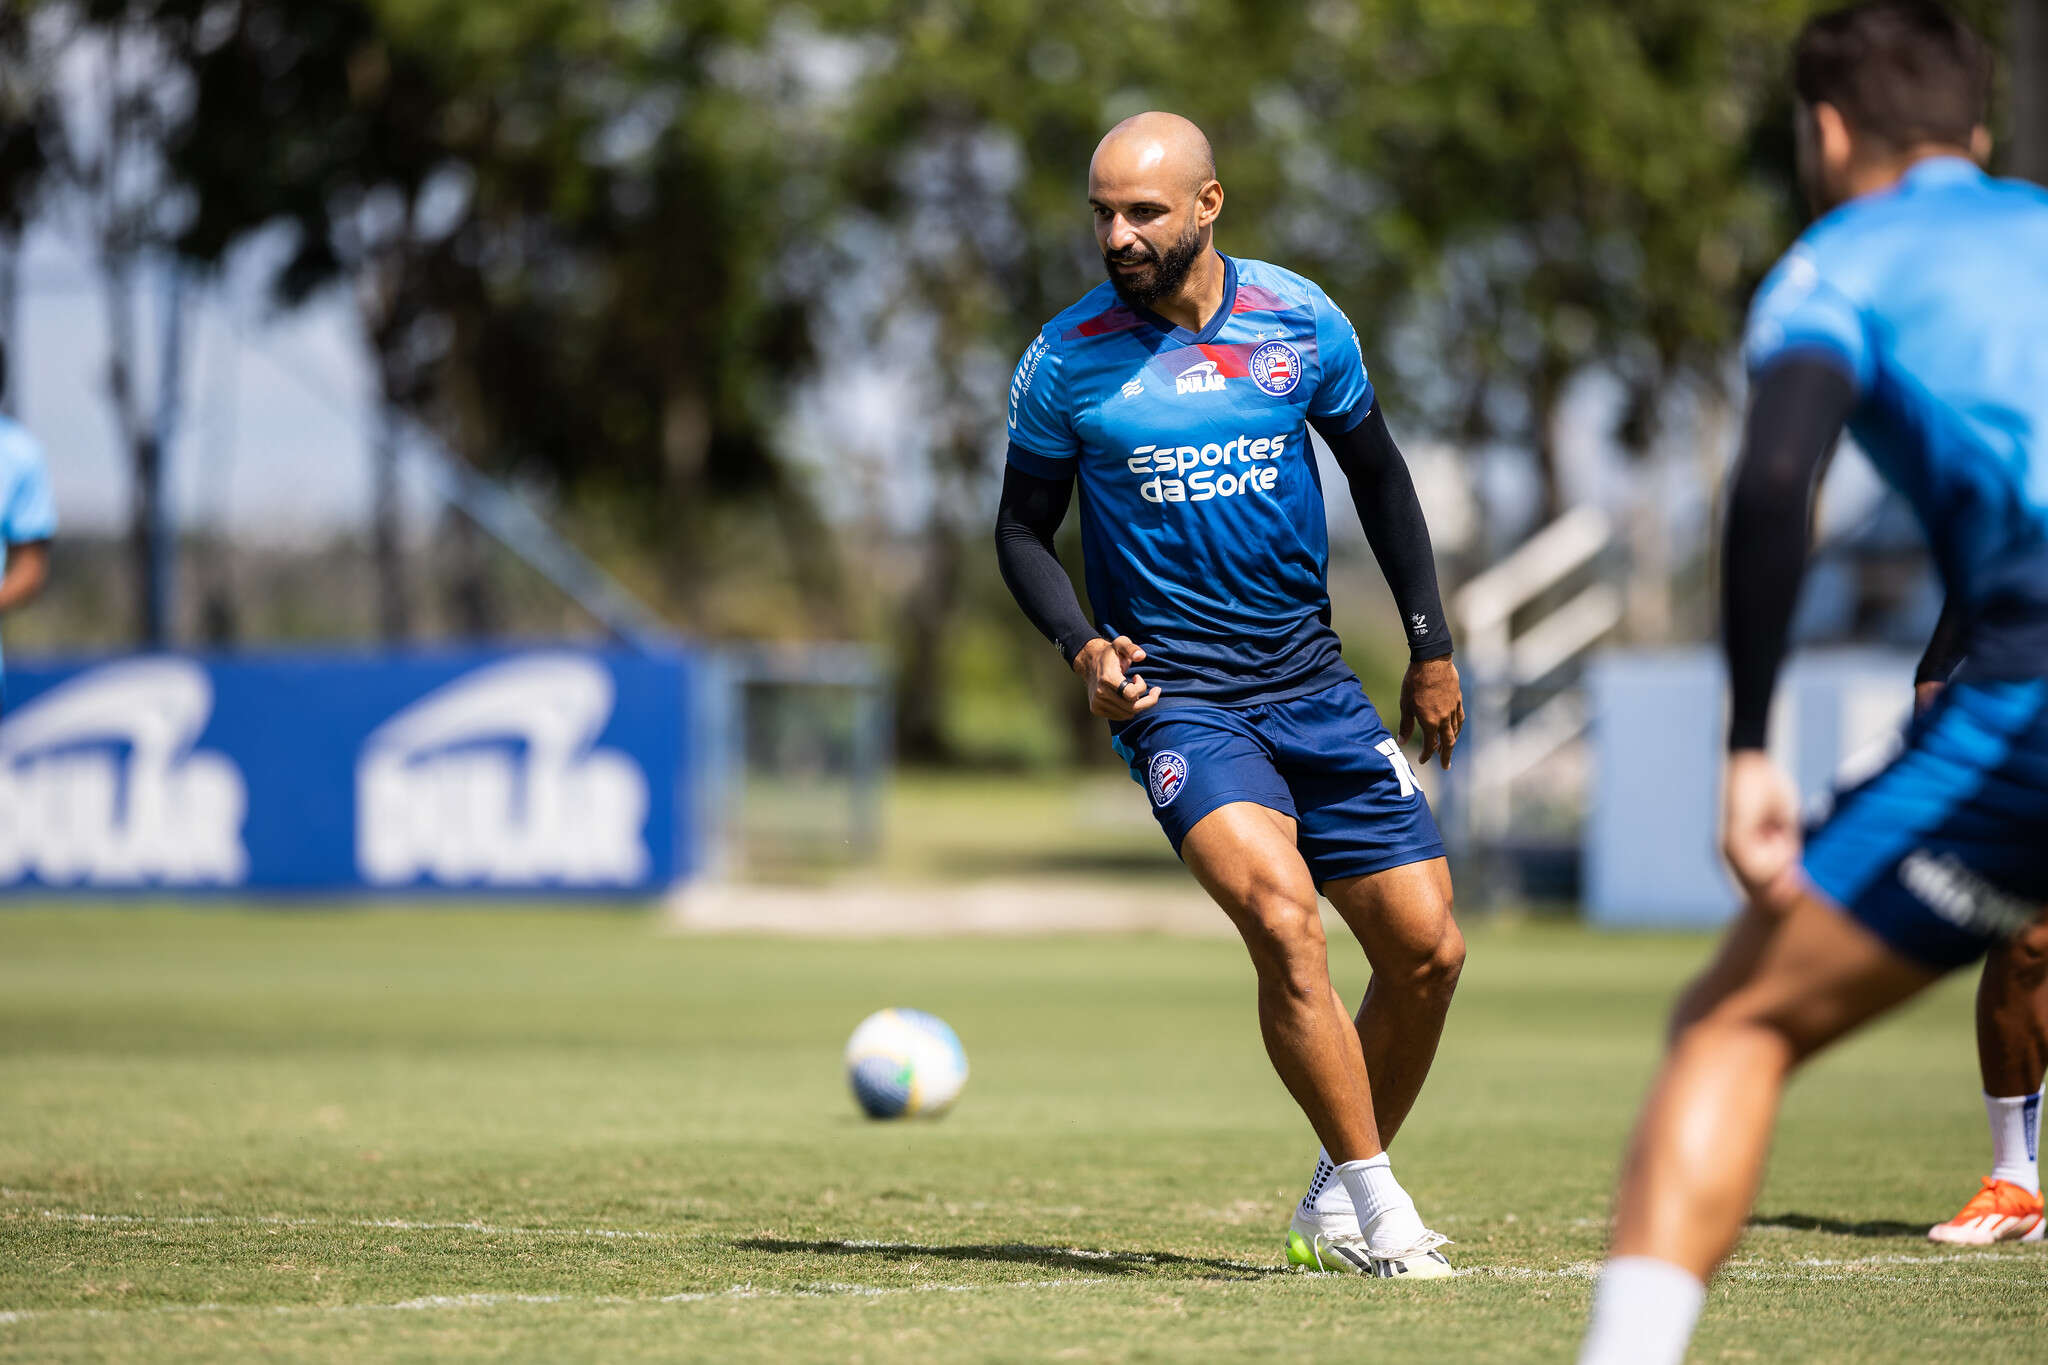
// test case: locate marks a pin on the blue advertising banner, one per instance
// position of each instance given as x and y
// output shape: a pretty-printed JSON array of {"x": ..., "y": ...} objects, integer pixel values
[{"x": 487, "y": 770}]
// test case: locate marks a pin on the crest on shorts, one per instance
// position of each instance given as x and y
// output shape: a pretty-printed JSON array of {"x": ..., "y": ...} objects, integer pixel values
[
  {"x": 1167, "y": 775},
  {"x": 1276, "y": 368}
]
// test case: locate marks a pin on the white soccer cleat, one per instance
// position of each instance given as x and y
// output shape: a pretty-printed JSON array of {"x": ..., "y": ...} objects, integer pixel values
[
  {"x": 1313, "y": 1245},
  {"x": 1419, "y": 1262},
  {"x": 1422, "y": 1261}
]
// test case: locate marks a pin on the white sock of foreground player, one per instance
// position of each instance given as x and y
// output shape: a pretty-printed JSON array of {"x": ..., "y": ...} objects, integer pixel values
[
  {"x": 2015, "y": 1139},
  {"x": 1643, "y": 1313},
  {"x": 1386, "y": 1215}
]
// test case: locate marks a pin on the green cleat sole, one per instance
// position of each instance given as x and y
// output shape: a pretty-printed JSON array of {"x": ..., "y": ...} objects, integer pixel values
[{"x": 1300, "y": 1253}]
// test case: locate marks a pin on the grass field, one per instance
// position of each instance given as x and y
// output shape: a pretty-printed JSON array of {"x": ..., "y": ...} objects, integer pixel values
[{"x": 542, "y": 1135}]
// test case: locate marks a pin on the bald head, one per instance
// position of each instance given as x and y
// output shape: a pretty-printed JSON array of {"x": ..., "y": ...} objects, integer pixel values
[{"x": 1155, "y": 148}]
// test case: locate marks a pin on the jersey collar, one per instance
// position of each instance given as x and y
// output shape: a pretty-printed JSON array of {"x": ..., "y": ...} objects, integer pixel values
[
  {"x": 1175, "y": 332},
  {"x": 1940, "y": 170}
]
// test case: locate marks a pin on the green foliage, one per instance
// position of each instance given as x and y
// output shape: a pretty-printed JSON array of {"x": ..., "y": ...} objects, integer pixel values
[{"x": 571, "y": 230}]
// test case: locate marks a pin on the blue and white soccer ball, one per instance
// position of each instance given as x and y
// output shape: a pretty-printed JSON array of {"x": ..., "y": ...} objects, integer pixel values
[{"x": 905, "y": 1062}]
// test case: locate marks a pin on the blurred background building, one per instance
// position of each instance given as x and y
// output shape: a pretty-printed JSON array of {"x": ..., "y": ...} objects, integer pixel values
[{"x": 403, "y": 325}]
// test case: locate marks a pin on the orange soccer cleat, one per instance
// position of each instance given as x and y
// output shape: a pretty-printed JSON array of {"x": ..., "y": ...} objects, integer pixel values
[{"x": 1999, "y": 1212}]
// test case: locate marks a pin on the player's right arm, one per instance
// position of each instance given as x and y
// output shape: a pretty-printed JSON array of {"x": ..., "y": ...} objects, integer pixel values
[
  {"x": 1795, "y": 417},
  {"x": 1038, "y": 483},
  {"x": 1808, "y": 357},
  {"x": 28, "y": 519}
]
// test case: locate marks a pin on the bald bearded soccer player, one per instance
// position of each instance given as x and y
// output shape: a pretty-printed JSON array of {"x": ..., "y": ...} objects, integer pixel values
[{"x": 1179, "y": 394}]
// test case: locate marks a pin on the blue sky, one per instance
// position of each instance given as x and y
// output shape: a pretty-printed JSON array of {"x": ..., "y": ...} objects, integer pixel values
[{"x": 273, "y": 440}]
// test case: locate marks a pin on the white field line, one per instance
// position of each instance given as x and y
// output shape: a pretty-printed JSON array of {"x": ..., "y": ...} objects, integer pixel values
[
  {"x": 385, "y": 1224},
  {"x": 1801, "y": 1268},
  {"x": 1576, "y": 1270},
  {"x": 1809, "y": 1268},
  {"x": 439, "y": 1302}
]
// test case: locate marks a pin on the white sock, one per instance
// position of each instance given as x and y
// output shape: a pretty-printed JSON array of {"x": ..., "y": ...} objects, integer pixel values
[
  {"x": 1643, "y": 1313},
  {"x": 2016, "y": 1139},
  {"x": 1386, "y": 1215},
  {"x": 1326, "y": 1193}
]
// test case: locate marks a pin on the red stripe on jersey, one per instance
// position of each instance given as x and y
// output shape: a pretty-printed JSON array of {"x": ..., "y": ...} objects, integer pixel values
[
  {"x": 1252, "y": 299},
  {"x": 1118, "y": 319},
  {"x": 1233, "y": 359}
]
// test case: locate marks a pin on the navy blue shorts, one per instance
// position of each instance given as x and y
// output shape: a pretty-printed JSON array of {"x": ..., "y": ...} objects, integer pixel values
[
  {"x": 1944, "y": 853},
  {"x": 1323, "y": 759}
]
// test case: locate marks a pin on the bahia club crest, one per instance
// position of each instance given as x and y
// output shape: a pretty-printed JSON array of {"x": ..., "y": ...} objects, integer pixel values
[
  {"x": 1169, "y": 772},
  {"x": 1276, "y": 368}
]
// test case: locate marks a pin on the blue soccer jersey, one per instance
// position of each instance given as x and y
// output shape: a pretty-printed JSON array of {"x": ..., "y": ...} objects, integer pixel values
[
  {"x": 1202, "y": 522},
  {"x": 1933, "y": 299},
  {"x": 27, "y": 511}
]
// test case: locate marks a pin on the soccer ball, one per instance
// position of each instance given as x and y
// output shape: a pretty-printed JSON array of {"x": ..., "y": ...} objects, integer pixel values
[{"x": 905, "y": 1062}]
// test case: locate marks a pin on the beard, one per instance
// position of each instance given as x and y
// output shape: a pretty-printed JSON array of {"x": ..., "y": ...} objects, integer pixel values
[{"x": 1169, "y": 270}]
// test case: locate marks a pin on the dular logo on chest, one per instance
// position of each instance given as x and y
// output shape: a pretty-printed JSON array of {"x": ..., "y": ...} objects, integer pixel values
[{"x": 1200, "y": 377}]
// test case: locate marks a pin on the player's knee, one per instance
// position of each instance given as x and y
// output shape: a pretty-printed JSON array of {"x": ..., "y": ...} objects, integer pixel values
[
  {"x": 1439, "y": 971},
  {"x": 1285, "y": 935},
  {"x": 2023, "y": 959},
  {"x": 1430, "y": 963},
  {"x": 1738, "y": 1021}
]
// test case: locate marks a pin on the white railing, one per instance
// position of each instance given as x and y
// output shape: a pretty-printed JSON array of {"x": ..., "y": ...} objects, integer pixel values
[{"x": 1497, "y": 659}]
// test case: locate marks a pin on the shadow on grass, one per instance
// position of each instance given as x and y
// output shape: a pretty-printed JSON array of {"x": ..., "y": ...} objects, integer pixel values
[
  {"x": 1077, "y": 1259},
  {"x": 996, "y": 862},
  {"x": 1806, "y": 1222}
]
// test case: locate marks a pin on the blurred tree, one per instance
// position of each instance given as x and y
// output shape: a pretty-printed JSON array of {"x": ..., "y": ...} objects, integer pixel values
[
  {"x": 28, "y": 120},
  {"x": 2027, "y": 25},
  {"x": 571, "y": 231},
  {"x": 102, "y": 95}
]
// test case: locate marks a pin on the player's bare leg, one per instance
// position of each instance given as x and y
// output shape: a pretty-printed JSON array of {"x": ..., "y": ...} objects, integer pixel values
[
  {"x": 2012, "y": 1016},
  {"x": 1244, "y": 855},
  {"x": 1402, "y": 918},
  {"x": 2012, "y": 1053},
  {"x": 1792, "y": 977},
  {"x": 1790, "y": 980}
]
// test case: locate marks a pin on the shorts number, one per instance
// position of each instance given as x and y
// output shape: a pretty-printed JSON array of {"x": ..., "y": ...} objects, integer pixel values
[{"x": 1391, "y": 747}]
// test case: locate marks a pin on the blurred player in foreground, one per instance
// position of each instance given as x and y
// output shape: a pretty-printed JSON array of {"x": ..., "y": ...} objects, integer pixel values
[
  {"x": 1179, "y": 394},
  {"x": 1913, "y": 313},
  {"x": 28, "y": 514},
  {"x": 2012, "y": 1037}
]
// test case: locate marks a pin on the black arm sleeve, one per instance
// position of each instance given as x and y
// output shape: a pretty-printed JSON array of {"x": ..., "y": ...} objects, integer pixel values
[
  {"x": 1795, "y": 416},
  {"x": 1385, "y": 497},
  {"x": 1029, "y": 514},
  {"x": 1945, "y": 648}
]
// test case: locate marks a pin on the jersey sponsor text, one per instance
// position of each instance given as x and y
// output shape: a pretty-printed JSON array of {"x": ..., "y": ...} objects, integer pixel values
[{"x": 1197, "y": 473}]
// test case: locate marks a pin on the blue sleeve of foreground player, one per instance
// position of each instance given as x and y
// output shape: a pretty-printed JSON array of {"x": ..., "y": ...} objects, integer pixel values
[
  {"x": 1042, "y": 440},
  {"x": 1797, "y": 311},
  {"x": 28, "y": 511}
]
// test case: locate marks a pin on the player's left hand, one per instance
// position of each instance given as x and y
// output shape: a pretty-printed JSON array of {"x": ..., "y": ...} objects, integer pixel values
[
  {"x": 1432, "y": 700},
  {"x": 1759, "y": 823}
]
